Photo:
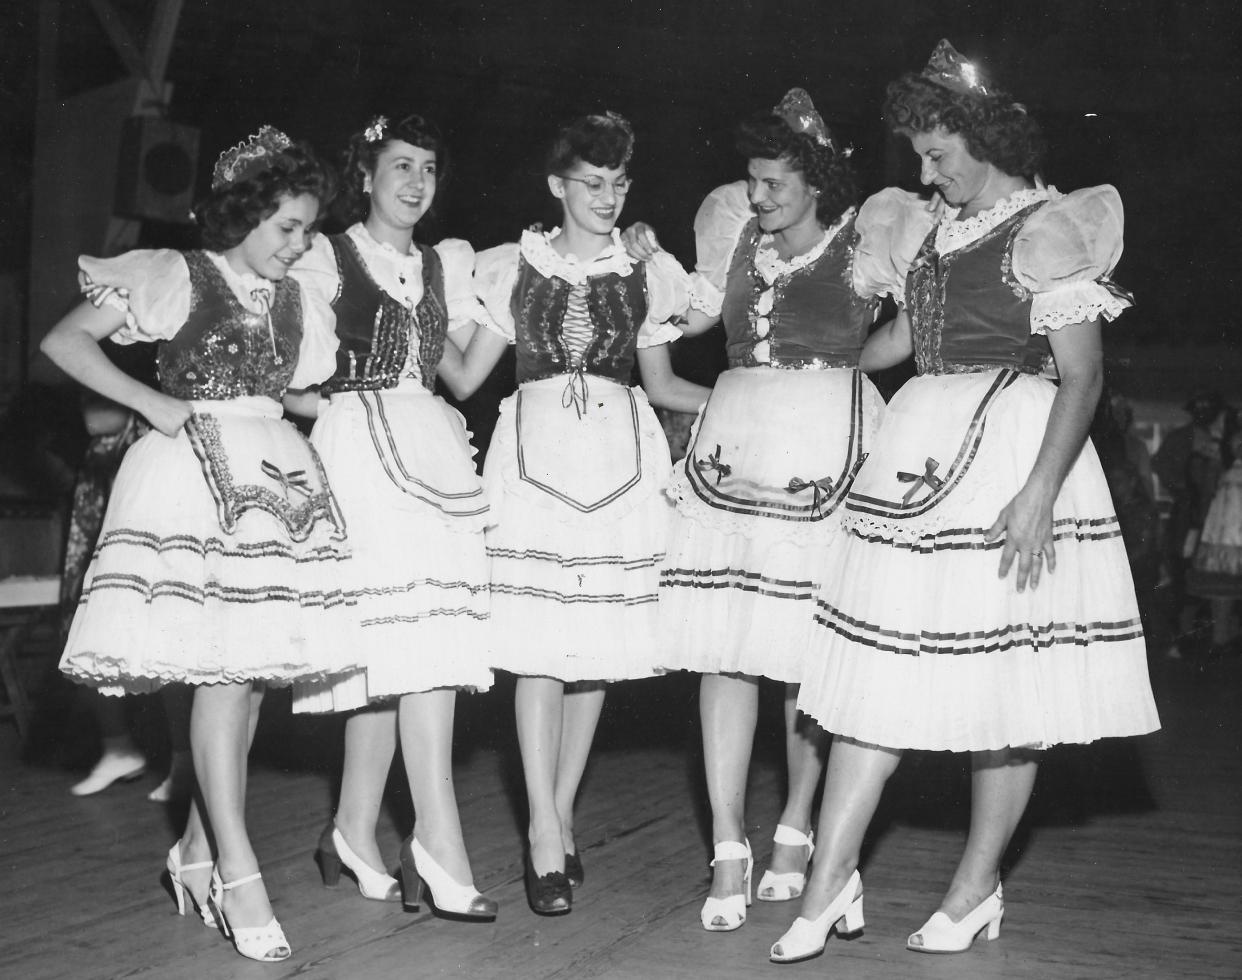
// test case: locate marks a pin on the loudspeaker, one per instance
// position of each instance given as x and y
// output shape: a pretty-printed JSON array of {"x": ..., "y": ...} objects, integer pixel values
[{"x": 155, "y": 178}]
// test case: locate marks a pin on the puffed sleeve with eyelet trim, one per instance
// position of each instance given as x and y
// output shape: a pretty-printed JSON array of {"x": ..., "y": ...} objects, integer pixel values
[
  {"x": 668, "y": 297},
  {"x": 464, "y": 306},
  {"x": 891, "y": 225},
  {"x": 495, "y": 275},
  {"x": 717, "y": 226},
  {"x": 1062, "y": 253},
  {"x": 150, "y": 286}
]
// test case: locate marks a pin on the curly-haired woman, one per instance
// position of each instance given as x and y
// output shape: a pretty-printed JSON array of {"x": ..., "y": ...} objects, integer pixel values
[
  {"x": 983, "y": 602},
  {"x": 219, "y": 556}
]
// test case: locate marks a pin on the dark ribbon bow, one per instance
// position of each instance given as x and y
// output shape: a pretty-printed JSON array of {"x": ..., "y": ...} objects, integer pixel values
[
  {"x": 293, "y": 480},
  {"x": 822, "y": 488},
  {"x": 713, "y": 463},
  {"x": 576, "y": 392},
  {"x": 926, "y": 478}
]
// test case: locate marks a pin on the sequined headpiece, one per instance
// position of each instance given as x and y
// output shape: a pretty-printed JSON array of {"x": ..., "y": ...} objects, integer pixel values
[
  {"x": 248, "y": 157},
  {"x": 375, "y": 129},
  {"x": 948, "y": 68},
  {"x": 798, "y": 112}
]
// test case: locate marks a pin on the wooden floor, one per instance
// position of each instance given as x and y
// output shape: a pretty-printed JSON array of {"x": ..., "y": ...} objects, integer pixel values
[{"x": 1130, "y": 864}]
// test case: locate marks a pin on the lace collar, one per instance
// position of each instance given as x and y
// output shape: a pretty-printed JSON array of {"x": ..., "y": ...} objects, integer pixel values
[
  {"x": 245, "y": 285},
  {"x": 952, "y": 234},
  {"x": 538, "y": 251},
  {"x": 771, "y": 266},
  {"x": 371, "y": 247}
]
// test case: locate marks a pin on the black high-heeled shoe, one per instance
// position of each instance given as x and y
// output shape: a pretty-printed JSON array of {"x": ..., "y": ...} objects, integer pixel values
[
  {"x": 548, "y": 894},
  {"x": 573, "y": 870}
]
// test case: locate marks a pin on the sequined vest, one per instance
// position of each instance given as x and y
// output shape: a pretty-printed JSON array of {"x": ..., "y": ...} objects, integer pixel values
[
  {"x": 968, "y": 311},
  {"x": 223, "y": 350},
  {"x": 816, "y": 320},
  {"x": 617, "y": 306},
  {"x": 374, "y": 329}
]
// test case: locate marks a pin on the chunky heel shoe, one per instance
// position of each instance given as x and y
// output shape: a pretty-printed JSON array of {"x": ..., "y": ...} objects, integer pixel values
[
  {"x": 447, "y": 897},
  {"x": 181, "y": 891},
  {"x": 781, "y": 886},
  {"x": 574, "y": 871},
  {"x": 728, "y": 913},
  {"x": 806, "y": 938},
  {"x": 267, "y": 944},
  {"x": 548, "y": 894},
  {"x": 333, "y": 852},
  {"x": 940, "y": 934}
]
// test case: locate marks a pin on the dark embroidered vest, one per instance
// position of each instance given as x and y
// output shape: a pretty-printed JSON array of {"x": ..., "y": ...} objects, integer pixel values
[
  {"x": 617, "y": 306},
  {"x": 967, "y": 310},
  {"x": 225, "y": 351},
  {"x": 817, "y": 320},
  {"x": 374, "y": 329}
]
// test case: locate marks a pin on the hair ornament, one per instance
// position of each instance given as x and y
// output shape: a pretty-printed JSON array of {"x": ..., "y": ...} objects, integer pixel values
[
  {"x": 949, "y": 69},
  {"x": 798, "y": 112},
  {"x": 375, "y": 129},
  {"x": 248, "y": 157}
]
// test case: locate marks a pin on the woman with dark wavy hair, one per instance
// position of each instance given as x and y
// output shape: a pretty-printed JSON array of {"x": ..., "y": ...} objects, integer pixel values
[
  {"x": 402, "y": 466},
  {"x": 792, "y": 268},
  {"x": 218, "y": 559},
  {"x": 576, "y": 472},
  {"x": 982, "y": 601}
]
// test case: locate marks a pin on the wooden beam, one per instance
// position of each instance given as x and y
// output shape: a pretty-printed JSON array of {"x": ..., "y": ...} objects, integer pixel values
[
  {"x": 121, "y": 39},
  {"x": 160, "y": 40}
]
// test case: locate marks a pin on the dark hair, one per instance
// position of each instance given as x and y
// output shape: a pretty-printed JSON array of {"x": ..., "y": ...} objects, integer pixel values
[
  {"x": 995, "y": 128},
  {"x": 602, "y": 140},
  {"x": 228, "y": 214},
  {"x": 768, "y": 137},
  {"x": 362, "y": 155}
]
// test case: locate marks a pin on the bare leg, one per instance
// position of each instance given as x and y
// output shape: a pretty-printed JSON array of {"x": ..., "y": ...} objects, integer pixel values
[
  {"x": 425, "y": 724},
  {"x": 1001, "y": 785},
  {"x": 728, "y": 709},
  {"x": 856, "y": 777},
  {"x": 580, "y": 712},
  {"x": 806, "y": 746},
  {"x": 176, "y": 700},
  {"x": 370, "y": 743},
  {"x": 221, "y": 727},
  {"x": 539, "y": 708}
]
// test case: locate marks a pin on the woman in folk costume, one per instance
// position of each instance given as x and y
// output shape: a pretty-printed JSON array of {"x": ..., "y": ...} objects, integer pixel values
[
  {"x": 795, "y": 271},
  {"x": 402, "y": 467},
  {"x": 222, "y": 548},
  {"x": 576, "y": 473},
  {"x": 985, "y": 603}
]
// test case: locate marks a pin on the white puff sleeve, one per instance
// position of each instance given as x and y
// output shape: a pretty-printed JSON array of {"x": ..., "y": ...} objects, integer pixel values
[
  {"x": 668, "y": 298},
  {"x": 1064, "y": 251},
  {"x": 150, "y": 286},
  {"x": 717, "y": 226},
  {"x": 891, "y": 227},
  {"x": 495, "y": 275},
  {"x": 317, "y": 353},
  {"x": 464, "y": 305}
]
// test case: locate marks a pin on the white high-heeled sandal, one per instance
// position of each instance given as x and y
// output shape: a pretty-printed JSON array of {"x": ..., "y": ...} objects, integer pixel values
[
  {"x": 267, "y": 944},
  {"x": 728, "y": 913},
  {"x": 181, "y": 891},
  {"x": 940, "y": 934},
  {"x": 806, "y": 938},
  {"x": 781, "y": 886}
]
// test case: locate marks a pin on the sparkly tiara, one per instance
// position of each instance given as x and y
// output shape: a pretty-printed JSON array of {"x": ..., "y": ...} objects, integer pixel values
[
  {"x": 949, "y": 69},
  {"x": 248, "y": 157},
  {"x": 798, "y": 112}
]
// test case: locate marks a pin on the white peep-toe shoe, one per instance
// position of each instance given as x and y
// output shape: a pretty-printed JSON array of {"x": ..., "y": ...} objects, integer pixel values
[
  {"x": 940, "y": 934},
  {"x": 181, "y": 891},
  {"x": 781, "y": 886},
  {"x": 728, "y": 913},
  {"x": 806, "y": 938},
  {"x": 267, "y": 944}
]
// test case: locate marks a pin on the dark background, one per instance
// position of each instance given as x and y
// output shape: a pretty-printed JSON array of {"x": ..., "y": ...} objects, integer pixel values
[{"x": 1161, "y": 77}]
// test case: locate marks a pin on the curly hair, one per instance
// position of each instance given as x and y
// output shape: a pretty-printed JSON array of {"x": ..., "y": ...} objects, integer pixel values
[
  {"x": 602, "y": 140},
  {"x": 362, "y": 155},
  {"x": 995, "y": 128},
  {"x": 768, "y": 137},
  {"x": 228, "y": 214}
]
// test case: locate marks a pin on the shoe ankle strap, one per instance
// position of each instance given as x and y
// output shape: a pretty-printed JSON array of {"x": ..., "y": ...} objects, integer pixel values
[
  {"x": 237, "y": 882},
  {"x": 731, "y": 850},
  {"x": 793, "y": 837}
]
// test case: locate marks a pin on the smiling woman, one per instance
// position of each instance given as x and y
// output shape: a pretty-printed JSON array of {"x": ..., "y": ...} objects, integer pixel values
[{"x": 219, "y": 558}]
